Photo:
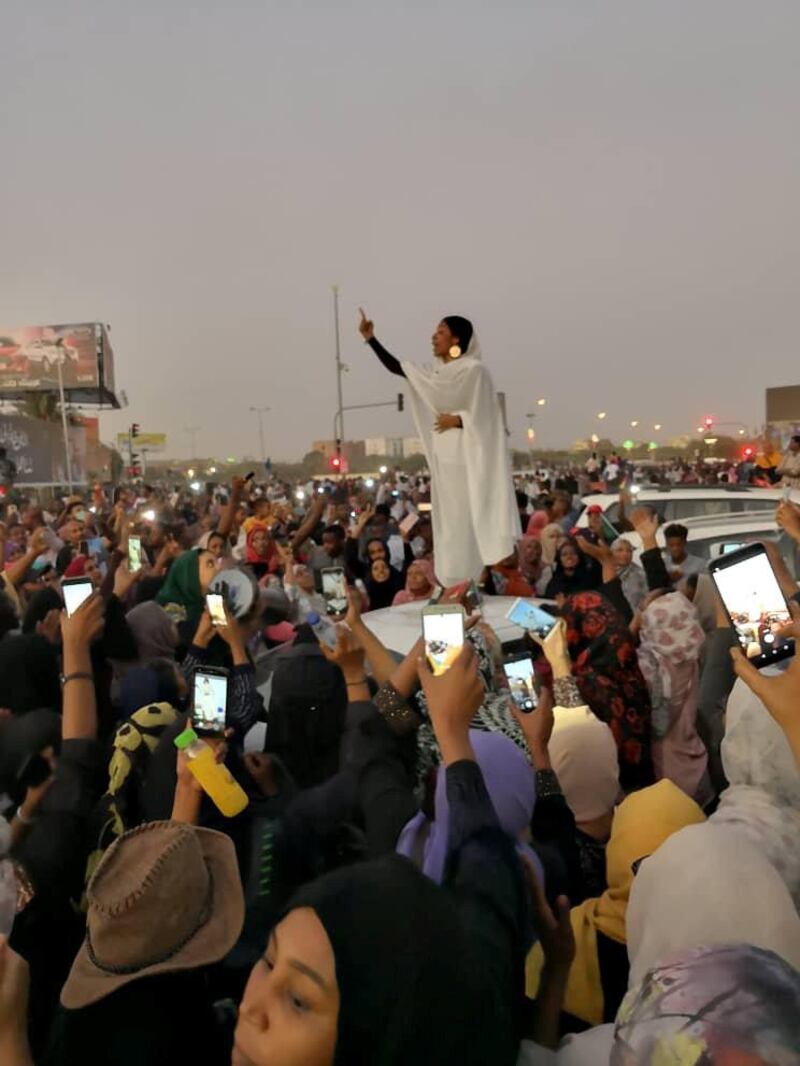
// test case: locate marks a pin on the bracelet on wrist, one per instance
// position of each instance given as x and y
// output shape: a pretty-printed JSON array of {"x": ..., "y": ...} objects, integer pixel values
[{"x": 77, "y": 676}]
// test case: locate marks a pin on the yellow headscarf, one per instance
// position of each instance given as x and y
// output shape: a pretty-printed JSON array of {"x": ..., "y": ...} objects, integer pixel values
[{"x": 642, "y": 822}]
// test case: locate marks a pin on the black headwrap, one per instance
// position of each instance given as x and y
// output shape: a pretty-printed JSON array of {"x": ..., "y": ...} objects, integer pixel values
[
  {"x": 461, "y": 328},
  {"x": 411, "y": 983}
]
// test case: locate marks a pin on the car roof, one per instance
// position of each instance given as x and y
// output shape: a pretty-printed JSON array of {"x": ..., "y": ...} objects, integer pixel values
[
  {"x": 710, "y": 527},
  {"x": 686, "y": 492}
]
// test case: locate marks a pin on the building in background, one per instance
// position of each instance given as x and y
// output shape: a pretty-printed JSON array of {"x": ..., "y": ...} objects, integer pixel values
[{"x": 393, "y": 447}]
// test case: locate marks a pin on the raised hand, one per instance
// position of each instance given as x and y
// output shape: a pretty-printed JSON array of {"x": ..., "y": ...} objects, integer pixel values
[
  {"x": 366, "y": 327},
  {"x": 645, "y": 522},
  {"x": 85, "y": 625},
  {"x": 453, "y": 700}
]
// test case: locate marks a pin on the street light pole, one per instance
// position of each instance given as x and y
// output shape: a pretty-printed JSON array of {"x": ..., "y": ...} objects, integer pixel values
[
  {"x": 340, "y": 436},
  {"x": 67, "y": 456},
  {"x": 531, "y": 434},
  {"x": 261, "y": 411},
  {"x": 192, "y": 431}
]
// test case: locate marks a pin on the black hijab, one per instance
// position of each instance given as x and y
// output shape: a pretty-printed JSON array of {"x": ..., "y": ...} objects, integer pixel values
[
  {"x": 413, "y": 991},
  {"x": 307, "y": 709}
]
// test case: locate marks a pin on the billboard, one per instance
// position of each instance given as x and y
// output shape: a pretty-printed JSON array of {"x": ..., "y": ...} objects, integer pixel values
[
  {"x": 32, "y": 357},
  {"x": 36, "y": 448},
  {"x": 151, "y": 442}
]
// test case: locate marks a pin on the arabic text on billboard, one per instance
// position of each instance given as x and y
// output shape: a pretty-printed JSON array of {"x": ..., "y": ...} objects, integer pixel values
[
  {"x": 31, "y": 355},
  {"x": 151, "y": 442},
  {"x": 36, "y": 448}
]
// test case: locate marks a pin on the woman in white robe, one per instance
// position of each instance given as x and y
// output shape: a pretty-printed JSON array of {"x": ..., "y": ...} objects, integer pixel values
[{"x": 457, "y": 412}]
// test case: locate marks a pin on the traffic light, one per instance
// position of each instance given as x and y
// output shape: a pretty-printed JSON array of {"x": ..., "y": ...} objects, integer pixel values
[
  {"x": 335, "y": 463},
  {"x": 708, "y": 421},
  {"x": 135, "y": 429},
  {"x": 531, "y": 434},
  {"x": 748, "y": 452},
  {"x": 401, "y": 401}
]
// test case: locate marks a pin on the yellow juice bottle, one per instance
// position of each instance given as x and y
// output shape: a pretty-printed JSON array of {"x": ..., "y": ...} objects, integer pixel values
[{"x": 214, "y": 778}]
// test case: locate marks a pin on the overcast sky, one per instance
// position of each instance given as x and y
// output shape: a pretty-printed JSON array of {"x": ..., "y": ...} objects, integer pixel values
[{"x": 608, "y": 189}]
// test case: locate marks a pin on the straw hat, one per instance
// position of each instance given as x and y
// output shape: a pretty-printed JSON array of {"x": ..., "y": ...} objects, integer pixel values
[{"x": 166, "y": 897}]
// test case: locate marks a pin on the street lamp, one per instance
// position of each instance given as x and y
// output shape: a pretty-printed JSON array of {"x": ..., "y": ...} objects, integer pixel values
[
  {"x": 261, "y": 411},
  {"x": 634, "y": 423},
  {"x": 601, "y": 415},
  {"x": 541, "y": 402},
  {"x": 595, "y": 439},
  {"x": 657, "y": 426}
]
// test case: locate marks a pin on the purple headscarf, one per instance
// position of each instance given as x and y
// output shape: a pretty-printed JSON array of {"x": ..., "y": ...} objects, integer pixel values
[{"x": 511, "y": 785}]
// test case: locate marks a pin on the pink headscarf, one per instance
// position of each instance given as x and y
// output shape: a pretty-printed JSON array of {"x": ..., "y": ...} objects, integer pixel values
[
  {"x": 671, "y": 640},
  {"x": 406, "y": 595},
  {"x": 536, "y": 524},
  {"x": 77, "y": 568}
]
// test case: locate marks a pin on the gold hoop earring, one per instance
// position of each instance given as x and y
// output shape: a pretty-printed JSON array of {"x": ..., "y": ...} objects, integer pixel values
[{"x": 455, "y": 352}]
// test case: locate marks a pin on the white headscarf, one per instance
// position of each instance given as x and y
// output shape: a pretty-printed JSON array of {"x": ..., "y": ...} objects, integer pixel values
[
  {"x": 707, "y": 884},
  {"x": 763, "y": 798}
]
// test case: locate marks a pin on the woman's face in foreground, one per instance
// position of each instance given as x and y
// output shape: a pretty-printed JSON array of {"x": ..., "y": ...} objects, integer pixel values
[{"x": 290, "y": 1008}]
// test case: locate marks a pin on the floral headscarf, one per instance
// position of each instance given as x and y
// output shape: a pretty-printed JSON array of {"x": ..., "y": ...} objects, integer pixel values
[
  {"x": 670, "y": 643},
  {"x": 607, "y": 672},
  {"x": 730, "y": 1004}
]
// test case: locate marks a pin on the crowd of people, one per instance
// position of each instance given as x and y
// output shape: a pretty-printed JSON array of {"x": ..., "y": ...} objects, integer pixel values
[{"x": 419, "y": 872}]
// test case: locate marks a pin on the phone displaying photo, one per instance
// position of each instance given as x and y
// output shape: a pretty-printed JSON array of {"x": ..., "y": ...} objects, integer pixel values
[
  {"x": 755, "y": 604},
  {"x": 528, "y": 616},
  {"x": 134, "y": 554},
  {"x": 75, "y": 591},
  {"x": 334, "y": 590},
  {"x": 520, "y": 676},
  {"x": 472, "y": 598},
  {"x": 210, "y": 701},
  {"x": 216, "y": 608},
  {"x": 443, "y": 632}
]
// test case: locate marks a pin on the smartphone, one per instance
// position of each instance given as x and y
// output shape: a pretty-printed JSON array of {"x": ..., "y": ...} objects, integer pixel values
[
  {"x": 216, "y": 608},
  {"x": 84, "y": 547},
  {"x": 76, "y": 590},
  {"x": 520, "y": 676},
  {"x": 210, "y": 701},
  {"x": 754, "y": 602},
  {"x": 472, "y": 598},
  {"x": 443, "y": 632},
  {"x": 334, "y": 589},
  {"x": 408, "y": 523},
  {"x": 787, "y": 494},
  {"x": 250, "y": 476},
  {"x": 424, "y": 508},
  {"x": 134, "y": 554},
  {"x": 527, "y": 615}
]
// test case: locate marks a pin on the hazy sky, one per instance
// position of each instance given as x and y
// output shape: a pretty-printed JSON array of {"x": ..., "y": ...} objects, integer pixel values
[{"x": 608, "y": 189}]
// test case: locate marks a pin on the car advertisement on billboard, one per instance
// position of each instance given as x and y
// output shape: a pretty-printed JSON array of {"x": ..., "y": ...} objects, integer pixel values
[{"x": 32, "y": 357}]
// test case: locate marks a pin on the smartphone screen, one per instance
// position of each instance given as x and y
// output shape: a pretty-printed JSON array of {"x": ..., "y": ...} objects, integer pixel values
[
  {"x": 755, "y": 604},
  {"x": 334, "y": 590},
  {"x": 443, "y": 630},
  {"x": 527, "y": 615},
  {"x": 216, "y": 608},
  {"x": 75, "y": 591},
  {"x": 134, "y": 554},
  {"x": 210, "y": 702},
  {"x": 520, "y": 677}
]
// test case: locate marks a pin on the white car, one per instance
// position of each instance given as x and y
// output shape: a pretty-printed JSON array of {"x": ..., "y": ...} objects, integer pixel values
[
  {"x": 676, "y": 504},
  {"x": 715, "y": 535},
  {"x": 48, "y": 355}
]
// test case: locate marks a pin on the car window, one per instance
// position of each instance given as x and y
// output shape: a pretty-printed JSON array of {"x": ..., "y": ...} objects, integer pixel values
[
  {"x": 612, "y": 513},
  {"x": 713, "y": 547},
  {"x": 758, "y": 504}
]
